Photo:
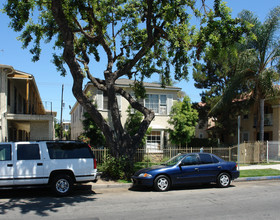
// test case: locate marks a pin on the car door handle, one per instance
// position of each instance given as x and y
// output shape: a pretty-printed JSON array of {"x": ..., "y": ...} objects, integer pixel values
[
  {"x": 9, "y": 165},
  {"x": 39, "y": 164},
  {"x": 219, "y": 167},
  {"x": 196, "y": 169}
]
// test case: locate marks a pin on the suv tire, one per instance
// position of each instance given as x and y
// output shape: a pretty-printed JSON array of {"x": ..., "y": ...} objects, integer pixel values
[{"x": 62, "y": 185}]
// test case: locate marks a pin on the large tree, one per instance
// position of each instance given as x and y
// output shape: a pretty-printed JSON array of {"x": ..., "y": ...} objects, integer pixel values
[
  {"x": 261, "y": 80},
  {"x": 138, "y": 38},
  {"x": 214, "y": 77},
  {"x": 243, "y": 72}
]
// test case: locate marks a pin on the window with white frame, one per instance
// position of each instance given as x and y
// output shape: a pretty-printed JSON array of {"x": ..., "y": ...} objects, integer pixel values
[
  {"x": 163, "y": 105},
  {"x": 154, "y": 141},
  {"x": 157, "y": 103},
  {"x": 160, "y": 104},
  {"x": 105, "y": 102}
]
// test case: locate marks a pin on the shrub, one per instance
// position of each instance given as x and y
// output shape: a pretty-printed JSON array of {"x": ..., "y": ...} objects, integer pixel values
[{"x": 117, "y": 168}]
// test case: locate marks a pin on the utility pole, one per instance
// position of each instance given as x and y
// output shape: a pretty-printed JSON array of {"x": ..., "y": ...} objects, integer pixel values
[{"x": 61, "y": 110}]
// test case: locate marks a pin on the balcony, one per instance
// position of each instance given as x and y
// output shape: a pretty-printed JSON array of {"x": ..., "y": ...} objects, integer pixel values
[{"x": 268, "y": 120}]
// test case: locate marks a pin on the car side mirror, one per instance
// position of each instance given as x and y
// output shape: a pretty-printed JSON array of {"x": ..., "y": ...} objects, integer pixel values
[{"x": 181, "y": 164}]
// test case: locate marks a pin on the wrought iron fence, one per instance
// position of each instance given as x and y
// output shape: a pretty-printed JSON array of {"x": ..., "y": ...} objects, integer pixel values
[
  {"x": 250, "y": 153},
  {"x": 144, "y": 155}
]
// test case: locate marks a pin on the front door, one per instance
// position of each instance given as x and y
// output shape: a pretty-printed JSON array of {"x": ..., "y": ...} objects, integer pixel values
[
  {"x": 189, "y": 169},
  {"x": 6, "y": 165},
  {"x": 28, "y": 164}
]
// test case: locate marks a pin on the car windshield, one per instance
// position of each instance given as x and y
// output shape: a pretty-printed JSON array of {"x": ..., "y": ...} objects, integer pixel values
[{"x": 174, "y": 160}]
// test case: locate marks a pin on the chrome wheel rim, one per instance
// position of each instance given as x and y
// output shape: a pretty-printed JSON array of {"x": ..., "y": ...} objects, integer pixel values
[
  {"x": 162, "y": 184},
  {"x": 224, "y": 180},
  {"x": 62, "y": 185}
]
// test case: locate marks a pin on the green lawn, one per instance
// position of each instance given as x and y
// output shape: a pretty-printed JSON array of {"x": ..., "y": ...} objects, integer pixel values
[{"x": 262, "y": 172}]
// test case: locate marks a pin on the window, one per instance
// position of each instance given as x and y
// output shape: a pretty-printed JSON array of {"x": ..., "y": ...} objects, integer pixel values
[
  {"x": 163, "y": 105},
  {"x": 5, "y": 152},
  {"x": 105, "y": 102},
  {"x": 190, "y": 160},
  {"x": 152, "y": 102},
  {"x": 69, "y": 150},
  {"x": 205, "y": 159},
  {"x": 245, "y": 136},
  {"x": 153, "y": 141},
  {"x": 102, "y": 100},
  {"x": 157, "y": 103},
  {"x": 28, "y": 152}
]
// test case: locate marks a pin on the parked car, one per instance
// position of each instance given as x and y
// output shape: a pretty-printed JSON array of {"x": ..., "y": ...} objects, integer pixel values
[
  {"x": 58, "y": 164},
  {"x": 187, "y": 169}
]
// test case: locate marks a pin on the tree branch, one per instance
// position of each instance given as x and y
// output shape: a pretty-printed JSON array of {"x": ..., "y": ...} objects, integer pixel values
[{"x": 76, "y": 72}]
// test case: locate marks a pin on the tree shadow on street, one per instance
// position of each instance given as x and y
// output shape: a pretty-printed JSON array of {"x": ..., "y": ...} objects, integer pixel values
[{"x": 41, "y": 201}]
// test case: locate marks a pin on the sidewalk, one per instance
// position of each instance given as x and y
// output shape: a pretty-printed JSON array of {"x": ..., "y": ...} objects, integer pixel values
[{"x": 255, "y": 167}]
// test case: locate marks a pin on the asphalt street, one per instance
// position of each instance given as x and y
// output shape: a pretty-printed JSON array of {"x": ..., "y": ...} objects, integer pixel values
[{"x": 243, "y": 200}]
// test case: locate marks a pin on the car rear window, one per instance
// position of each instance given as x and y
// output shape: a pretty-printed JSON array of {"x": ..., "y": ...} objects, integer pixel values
[
  {"x": 69, "y": 150},
  {"x": 206, "y": 159}
]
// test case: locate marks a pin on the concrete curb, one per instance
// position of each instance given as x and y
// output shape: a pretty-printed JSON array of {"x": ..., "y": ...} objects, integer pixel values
[
  {"x": 243, "y": 179},
  {"x": 115, "y": 185},
  {"x": 129, "y": 185}
]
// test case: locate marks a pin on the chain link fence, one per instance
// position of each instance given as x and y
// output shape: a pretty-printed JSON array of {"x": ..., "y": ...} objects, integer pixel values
[{"x": 273, "y": 151}]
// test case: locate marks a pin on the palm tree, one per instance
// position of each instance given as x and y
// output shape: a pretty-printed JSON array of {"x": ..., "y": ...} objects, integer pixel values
[{"x": 258, "y": 64}]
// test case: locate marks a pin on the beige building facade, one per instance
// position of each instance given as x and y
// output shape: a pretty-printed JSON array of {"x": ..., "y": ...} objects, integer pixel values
[
  {"x": 249, "y": 123},
  {"x": 249, "y": 127},
  {"x": 22, "y": 114},
  {"x": 159, "y": 99}
]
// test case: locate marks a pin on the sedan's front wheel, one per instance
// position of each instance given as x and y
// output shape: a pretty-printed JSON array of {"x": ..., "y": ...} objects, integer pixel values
[
  {"x": 223, "y": 180},
  {"x": 162, "y": 183}
]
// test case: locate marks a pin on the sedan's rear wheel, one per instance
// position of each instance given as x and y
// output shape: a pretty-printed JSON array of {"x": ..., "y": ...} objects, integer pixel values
[
  {"x": 162, "y": 183},
  {"x": 223, "y": 180}
]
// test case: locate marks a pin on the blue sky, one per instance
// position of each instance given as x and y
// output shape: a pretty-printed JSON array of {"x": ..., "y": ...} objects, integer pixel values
[{"x": 49, "y": 81}]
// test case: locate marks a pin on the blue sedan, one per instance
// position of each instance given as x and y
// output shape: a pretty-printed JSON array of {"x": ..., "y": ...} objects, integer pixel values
[{"x": 187, "y": 169}]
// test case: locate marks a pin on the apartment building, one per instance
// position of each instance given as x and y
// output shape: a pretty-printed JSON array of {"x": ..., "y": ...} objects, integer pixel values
[
  {"x": 22, "y": 114},
  {"x": 249, "y": 124},
  {"x": 159, "y": 99}
]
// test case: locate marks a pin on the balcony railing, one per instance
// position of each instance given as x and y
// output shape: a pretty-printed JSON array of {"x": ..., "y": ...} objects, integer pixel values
[{"x": 31, "y": 108}]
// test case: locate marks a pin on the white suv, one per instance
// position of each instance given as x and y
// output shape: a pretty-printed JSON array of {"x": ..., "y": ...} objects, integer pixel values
[{"x": 59, "y": 164}]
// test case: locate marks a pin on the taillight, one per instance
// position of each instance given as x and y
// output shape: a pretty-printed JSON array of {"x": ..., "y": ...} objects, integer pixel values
[{"x": 94, "y": 163}]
